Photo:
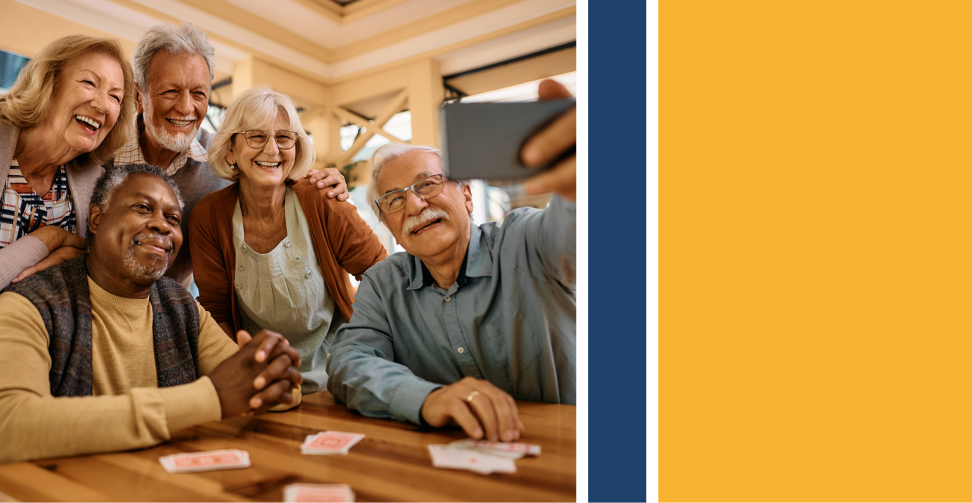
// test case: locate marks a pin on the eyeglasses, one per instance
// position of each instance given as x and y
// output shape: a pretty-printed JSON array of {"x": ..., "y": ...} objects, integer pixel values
[
  {"x": 424, "y": 188},
  {"x": 257, "y": 138}
]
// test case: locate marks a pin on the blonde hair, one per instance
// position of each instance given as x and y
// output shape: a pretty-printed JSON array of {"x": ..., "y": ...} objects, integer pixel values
[
  {"x": 29, "y": 100},
  {"x": 254, "y": 109}
]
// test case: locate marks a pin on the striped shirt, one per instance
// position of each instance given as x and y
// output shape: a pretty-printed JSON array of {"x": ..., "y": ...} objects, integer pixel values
[{"x": 23, "y": 211}]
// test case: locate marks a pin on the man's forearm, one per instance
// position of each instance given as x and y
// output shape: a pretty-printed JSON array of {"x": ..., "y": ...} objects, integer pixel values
[
  {"x": 37, "y": 427},
  {"x": 551, "y": 240},
  {"x": 376, "y": 387}
]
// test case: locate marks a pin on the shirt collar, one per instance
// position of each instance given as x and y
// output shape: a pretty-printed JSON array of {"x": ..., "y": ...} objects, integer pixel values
[
  {"x": 476, "y": 263},
  {"x": 131, "y": 152}
]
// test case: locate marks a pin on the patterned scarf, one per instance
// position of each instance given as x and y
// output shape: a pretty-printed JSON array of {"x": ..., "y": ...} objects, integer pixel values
[{"x": 60, "y": 294}]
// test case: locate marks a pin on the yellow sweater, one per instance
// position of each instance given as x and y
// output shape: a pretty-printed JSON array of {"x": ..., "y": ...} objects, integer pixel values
[{"x": 127, "y": 409}]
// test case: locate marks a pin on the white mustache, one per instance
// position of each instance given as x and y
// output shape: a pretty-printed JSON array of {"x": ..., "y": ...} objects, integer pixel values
[
  {"x": 148, "y": 236},
  {"x": 428, "y": 214}
]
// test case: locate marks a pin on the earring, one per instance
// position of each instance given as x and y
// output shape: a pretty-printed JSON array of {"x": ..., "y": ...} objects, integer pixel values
[{"x": 233, "y": 167}]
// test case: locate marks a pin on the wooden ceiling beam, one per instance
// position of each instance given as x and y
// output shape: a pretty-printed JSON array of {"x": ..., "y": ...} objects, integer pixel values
[
  {"x": 393, "y": 108},
  {"x": 365, "y": 124}
]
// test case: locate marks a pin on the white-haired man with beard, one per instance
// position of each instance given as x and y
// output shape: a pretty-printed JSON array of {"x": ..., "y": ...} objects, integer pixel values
[
  {"x": 471, "y": 317},
  {"x": 102, "y": 353},
  {"x": 173, "y": 68}
]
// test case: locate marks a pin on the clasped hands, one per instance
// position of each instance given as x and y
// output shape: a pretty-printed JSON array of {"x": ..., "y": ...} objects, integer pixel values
[{"x": 260, "y": 375}]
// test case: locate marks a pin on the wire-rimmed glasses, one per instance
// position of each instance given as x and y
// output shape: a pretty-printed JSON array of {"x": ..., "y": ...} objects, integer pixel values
[
  {"x": 425, "y": 188},
  {"x": 257, "y": 138}
]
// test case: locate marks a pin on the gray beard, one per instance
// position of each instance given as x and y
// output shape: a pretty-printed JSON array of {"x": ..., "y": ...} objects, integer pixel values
[
  {"x": 139, "y": 271},
  {"x": 175, "y": 143}
]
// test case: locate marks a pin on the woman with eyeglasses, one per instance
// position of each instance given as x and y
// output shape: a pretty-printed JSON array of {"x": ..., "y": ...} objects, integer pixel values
[{"x": 268, "y": 252}]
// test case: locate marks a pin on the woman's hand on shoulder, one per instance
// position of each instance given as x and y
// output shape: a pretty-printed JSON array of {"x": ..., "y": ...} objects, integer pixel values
[
  {"x": 332, "y": 180},
  {"x": 56, "y": 238}
]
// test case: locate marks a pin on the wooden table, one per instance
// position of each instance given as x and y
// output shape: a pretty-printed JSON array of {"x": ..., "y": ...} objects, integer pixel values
[{"x": 392, "y": 463}]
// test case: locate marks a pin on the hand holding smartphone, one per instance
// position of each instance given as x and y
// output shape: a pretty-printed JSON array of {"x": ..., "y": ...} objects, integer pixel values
[{"x": 483, "y": 140}]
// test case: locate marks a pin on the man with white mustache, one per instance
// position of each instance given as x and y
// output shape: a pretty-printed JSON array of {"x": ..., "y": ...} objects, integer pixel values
[
  {"x": 173, "y": 72},
  {"x": 471, "y": 317}
]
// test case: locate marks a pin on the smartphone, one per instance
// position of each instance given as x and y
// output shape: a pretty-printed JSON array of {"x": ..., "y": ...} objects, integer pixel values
[{"x": 483, "y": 140}]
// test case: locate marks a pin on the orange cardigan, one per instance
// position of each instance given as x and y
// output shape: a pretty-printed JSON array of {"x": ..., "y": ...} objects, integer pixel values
[{"x": 342, "y": 241}]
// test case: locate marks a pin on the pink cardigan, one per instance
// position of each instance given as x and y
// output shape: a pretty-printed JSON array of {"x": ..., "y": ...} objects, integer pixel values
[{"x": 28, "y": 250}]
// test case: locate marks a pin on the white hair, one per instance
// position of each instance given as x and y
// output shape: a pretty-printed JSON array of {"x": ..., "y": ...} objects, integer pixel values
[
  {"x": 387, "y": 153},
  {"x": 183, "y": 40}
]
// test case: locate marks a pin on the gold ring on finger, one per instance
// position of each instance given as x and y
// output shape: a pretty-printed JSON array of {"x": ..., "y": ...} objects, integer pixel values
[{"x": 472, "y": 395}]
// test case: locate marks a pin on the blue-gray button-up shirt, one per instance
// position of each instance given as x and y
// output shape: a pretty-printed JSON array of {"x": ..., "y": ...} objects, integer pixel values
[{"x": 510, "y": 319}]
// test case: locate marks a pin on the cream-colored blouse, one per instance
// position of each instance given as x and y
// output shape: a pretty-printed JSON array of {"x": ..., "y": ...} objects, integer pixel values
[{"x": 284, "y": 291}]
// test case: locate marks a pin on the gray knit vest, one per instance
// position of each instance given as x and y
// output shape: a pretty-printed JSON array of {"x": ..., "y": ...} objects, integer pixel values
[{"x": 60, "y": 294}]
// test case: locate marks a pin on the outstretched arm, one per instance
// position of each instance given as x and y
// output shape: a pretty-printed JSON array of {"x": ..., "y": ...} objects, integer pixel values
[{"x": 551, "y": 236}]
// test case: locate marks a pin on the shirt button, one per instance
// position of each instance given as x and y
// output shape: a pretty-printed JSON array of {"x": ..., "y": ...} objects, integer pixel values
[
  {"x": 448, "y": 298},
  {"x": 244, "y": 248},
  {"x": 287, "y": 243},
  {"x": 242, "y": 267},
  {"x": 461, "y": 351},
  {"x": 307, "y": 275},
  {"x": 239, "y": 286},
  {"x": 297, "y": 259}
]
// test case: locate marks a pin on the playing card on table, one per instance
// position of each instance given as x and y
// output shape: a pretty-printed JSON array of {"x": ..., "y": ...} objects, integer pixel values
[
  {"x": 318, "y": 492},
  {"x": 447, "y": 456},
  {"x": 505, "y": 449},
  {"x": 205, "y": 461},
  {"x": 330, "y": 442}
]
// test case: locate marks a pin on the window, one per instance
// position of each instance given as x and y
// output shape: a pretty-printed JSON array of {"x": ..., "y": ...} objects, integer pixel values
[{"x": 10, "y": 65}]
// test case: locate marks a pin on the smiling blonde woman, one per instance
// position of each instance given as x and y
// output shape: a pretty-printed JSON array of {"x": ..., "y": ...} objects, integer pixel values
[
  {"x": 268, "y": 251},
  {"x": 69, "y": 110}
]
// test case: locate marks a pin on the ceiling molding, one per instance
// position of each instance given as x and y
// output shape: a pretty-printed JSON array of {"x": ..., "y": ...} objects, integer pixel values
[
  {"x": 519, "y": 72},
  {"x": 351, "y": 13},
  {"x": 416, "y": 28},
  {"x": 465, "y": 34},
  {"x": 232, "y": 14},
  {"x": 460, "y": 33},
  {"x": 510, "y": 46},
  {"x": 233, "y": 35},
  {"x": 322, "y": 8},
  {"x": 361, "y": 9}
]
